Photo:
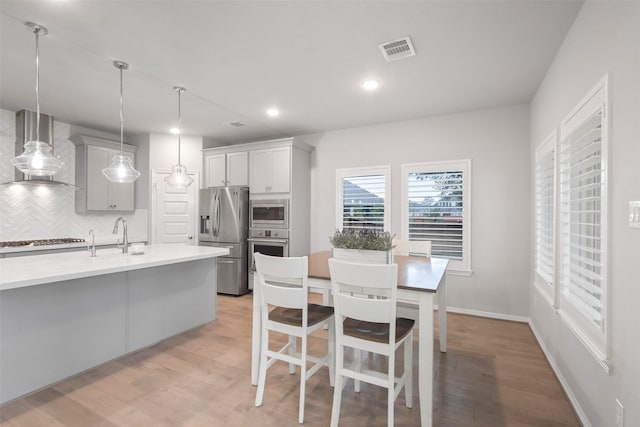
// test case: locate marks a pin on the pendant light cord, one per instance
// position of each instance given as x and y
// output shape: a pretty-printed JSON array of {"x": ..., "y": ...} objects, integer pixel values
[
  {"x": 121, "y": 116},
  {"x": 179, "y": 122},
  {"x": 37, "y": 32}
]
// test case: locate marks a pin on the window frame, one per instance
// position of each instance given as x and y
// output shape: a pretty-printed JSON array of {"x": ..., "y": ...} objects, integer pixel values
[
  {"x": 546, "y": 288},
  {"x": 598, "y": 342},
  {"x": 343, "y": 173},
  {"x": 456, "y": 267}
]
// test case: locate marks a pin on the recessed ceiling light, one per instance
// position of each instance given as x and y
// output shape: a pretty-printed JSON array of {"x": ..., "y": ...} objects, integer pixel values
[
  {"x": 174, "y": 131},
  {"x": 273, "y": 112},
  {"x": 370, "y": 84}
]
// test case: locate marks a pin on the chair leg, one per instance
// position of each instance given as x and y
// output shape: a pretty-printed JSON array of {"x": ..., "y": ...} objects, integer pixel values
[
  {"x": 337, "y": 387},
  {"x": 408, "y": 369},
  {"x": 357, "y": 354},
  {"x": 391, "y": 391},
  {"x": 262, "y": 375},
  {"x": 332, "y": 353},
  {"x": 303, "y": 378},
  {"x": 292, "y": 353}
]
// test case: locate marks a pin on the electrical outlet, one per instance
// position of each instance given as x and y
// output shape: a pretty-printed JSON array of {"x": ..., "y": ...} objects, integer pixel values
[
  {"x": 634, "y": 214},
  {"x": 619, "y": 414}
]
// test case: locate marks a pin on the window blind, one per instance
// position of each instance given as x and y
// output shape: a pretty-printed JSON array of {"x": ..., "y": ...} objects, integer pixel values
[
  {"x": 436, "y": 211},
  {"x": 581, "y": 193},
  {"x": 363, "y": 202},
  {"x": 545, "y": 183}
]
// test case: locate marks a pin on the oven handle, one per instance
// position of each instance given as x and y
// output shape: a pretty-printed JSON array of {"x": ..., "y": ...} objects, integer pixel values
[{"x": 268, "y": 240}]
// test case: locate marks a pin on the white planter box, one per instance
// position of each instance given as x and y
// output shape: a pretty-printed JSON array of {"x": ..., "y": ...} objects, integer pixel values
[{"x": 363, "y": 255}]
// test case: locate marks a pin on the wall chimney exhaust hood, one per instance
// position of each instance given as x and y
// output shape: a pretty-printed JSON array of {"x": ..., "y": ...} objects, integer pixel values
[{"x": 26, "y": 131}]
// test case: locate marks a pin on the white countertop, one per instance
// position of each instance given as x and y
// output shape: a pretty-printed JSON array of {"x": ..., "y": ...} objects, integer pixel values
[{"x": 20, "y": 272}]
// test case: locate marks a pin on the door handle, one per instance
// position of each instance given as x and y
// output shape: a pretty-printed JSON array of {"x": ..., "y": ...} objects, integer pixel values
[{"x": 190, "y": 237}]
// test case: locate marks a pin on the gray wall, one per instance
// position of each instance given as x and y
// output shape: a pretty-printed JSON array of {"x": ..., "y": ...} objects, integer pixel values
[
  {"x": 497, "y": 142},
  {"x": 604, "y": 38}
]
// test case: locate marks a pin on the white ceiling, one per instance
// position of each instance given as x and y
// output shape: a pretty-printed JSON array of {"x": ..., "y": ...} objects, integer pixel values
[{"x": 237, "y": 58}]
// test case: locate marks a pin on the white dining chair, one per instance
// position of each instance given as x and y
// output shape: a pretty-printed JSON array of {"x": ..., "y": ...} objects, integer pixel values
[
  {"x": 364, "y": 298},
  {"x": 412, "y": 247},
  {"x": 283, "y": 283}
]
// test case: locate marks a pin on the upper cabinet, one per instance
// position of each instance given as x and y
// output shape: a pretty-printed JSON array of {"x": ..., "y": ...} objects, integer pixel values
[
  {"x": 270, "y": 170},
  {"x": 226, "y": 169},
  {"x": 95, "y": 191}
]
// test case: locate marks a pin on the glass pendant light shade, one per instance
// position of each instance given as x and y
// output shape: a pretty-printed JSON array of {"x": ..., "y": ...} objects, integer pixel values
[
  {"x": 37, "y": 158},
  {"x": 179, "y": 176},
  {"x": 121, "y": 169}
]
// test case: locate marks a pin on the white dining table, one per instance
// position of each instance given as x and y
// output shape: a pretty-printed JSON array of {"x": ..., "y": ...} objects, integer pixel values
[{"x": 421, "y": 281}]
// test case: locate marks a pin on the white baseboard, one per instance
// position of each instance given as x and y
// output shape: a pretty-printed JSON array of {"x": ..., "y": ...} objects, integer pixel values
[
  {"x": 490, "y": 315},
  {"x": 572, "y": 397}
]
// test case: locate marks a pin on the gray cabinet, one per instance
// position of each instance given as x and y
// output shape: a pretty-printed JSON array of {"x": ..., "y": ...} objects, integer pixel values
[{"x": 95, "y": 192}]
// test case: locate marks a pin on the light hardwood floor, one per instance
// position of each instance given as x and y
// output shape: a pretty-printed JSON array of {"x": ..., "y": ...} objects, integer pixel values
[{"x": 494, "y": 374}]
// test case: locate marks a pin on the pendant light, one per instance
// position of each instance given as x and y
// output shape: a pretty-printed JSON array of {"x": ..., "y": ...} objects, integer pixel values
[
  {"x": 179, "y": 176},
  {"x": 37, "y": 158},
  {"x": 121, "y": 169}
]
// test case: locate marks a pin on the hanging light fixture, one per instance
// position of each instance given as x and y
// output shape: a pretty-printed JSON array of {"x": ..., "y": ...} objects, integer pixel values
[
  {"x": 121, "y": 169},
  {"x": 179, "y": 176},
  {"x": 37, "y": 158}
]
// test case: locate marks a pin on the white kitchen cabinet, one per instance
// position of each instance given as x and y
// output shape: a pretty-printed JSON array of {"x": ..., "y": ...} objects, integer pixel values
[
  {"x": 270, "y": 170},
  {"x": 95, "y": 191},
  {"x": 226, "y": 169}
]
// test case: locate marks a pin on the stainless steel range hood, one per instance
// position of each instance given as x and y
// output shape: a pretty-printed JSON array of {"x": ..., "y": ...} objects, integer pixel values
[{"x": 26, "y": 122}]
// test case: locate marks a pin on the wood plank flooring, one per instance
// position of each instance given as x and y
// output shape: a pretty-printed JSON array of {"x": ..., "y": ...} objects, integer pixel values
[{"x": 493, "y": 375}]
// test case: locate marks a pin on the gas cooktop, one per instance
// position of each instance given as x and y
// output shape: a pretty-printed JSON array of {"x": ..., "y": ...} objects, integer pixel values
[{"x": 40, "y": 242}]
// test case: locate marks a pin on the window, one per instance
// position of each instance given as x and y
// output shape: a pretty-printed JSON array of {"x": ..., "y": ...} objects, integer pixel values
[
  {"x": 583, "y": 220},
  {"x": 436, "y": 207},
  {"x": 363, "y": 198},
  {"x": 545, "y": 184}
]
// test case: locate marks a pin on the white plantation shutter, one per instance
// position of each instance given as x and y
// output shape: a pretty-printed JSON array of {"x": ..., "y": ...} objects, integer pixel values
[
  {"x": 545, "y": 206},
  {"x": 581, "y": 195},
  {"x": 436, "y": 207},
  {"x": 582, "y": 222},
  {"x": 436, "y": 211},
  {"x": 363, "y": 196}
]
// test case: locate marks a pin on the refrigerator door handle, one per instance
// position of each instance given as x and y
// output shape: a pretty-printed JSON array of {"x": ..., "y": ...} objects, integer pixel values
[
  {"x": 217, "y": 215},
  {"x": 214, "y": 220}
]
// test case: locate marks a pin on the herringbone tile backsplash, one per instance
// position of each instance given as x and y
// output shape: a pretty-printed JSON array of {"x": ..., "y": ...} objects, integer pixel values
[{"x": 40, "y": 212}]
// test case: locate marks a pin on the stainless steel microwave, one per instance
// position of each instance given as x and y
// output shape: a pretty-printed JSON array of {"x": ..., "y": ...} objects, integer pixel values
[{"x": 269, "y": 214}]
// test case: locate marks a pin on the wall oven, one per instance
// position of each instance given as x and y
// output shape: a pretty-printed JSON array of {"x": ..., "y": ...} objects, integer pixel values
[
  {"x": 267, "y": 214},
  {"x": 267, "y": 242}
]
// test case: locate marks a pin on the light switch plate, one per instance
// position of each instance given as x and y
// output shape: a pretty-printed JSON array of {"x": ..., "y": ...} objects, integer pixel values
[
  {"x": 634, "y": 214},
  {"x": 619, "y": 414}
]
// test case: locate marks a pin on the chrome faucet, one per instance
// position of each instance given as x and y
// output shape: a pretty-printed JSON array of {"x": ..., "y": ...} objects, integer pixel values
[
  {"x": 125, "y": 239},
  {"x": 92, "y": 248}
]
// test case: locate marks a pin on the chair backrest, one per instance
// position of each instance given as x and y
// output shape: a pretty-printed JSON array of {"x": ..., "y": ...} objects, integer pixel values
[
  {"x": 353, "y": 286},
  {"x": 282, "y": 280},
  {"x": 412, "y": 247}
]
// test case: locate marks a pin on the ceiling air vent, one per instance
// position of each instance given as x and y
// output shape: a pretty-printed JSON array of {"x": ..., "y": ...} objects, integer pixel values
[
  {"x": 237, "y": 124},
  {"x": 397, "y": 49}
]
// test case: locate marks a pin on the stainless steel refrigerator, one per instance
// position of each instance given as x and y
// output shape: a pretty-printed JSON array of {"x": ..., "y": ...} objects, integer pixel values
[{"x": 224, "y": 223}]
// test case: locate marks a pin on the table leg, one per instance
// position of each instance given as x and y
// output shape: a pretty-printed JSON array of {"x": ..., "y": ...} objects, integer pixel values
[
  {"x": 255, "y": 332},
  {"x": 425, "y": 354},
  {"x": 442, "y": 313}
]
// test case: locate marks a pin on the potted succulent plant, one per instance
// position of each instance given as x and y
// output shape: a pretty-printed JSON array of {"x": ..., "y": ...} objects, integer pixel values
[{"x": 363, "y": 246}]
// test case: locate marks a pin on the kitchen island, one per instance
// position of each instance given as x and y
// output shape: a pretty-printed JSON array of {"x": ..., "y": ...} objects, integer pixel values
[{"x": 61, "y": 314}]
